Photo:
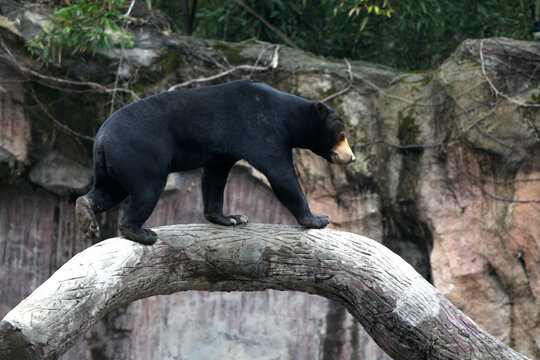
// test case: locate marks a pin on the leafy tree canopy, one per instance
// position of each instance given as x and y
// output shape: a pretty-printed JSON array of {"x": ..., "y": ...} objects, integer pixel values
[{"x": 407, "y": 34}]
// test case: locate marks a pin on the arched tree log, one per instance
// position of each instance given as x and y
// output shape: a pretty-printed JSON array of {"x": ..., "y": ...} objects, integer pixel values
[{"x": 405, "y": 315}]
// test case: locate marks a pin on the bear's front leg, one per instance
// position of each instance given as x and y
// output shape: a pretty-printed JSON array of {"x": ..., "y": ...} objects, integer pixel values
[
  {"x": 214, "y": 178},
  {"x": 282, "y": 177}
]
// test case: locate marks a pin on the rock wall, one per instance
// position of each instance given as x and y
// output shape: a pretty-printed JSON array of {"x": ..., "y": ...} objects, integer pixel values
[{"x": 447, "y": 176}]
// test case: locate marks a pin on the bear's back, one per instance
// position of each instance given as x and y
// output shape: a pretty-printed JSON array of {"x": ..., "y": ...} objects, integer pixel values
[{"x": 207, "y": 115}]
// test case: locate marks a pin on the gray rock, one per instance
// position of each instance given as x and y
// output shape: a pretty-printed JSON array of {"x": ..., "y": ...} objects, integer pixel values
[{"x": 61, "y": 175}]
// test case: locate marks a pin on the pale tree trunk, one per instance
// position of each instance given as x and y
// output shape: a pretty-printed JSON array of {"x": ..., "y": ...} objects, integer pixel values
[{"x": 405, "y": 315}]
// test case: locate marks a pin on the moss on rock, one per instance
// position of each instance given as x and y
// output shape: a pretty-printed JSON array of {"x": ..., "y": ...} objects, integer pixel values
[{"x": 231, "y": 52}]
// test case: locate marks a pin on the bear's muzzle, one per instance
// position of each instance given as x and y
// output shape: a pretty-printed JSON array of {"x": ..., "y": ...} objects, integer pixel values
[{"x": 342, "y": 153}]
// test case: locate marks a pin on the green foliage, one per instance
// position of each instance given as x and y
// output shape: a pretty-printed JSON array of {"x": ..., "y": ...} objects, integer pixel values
[
  {"x": 357, "y": 7},
  {"x": 406, "y": 34},
  {"x": 413, "y": 34},
  {"x": 421, "y": 34},
  {"x": 82, "y": 26}
]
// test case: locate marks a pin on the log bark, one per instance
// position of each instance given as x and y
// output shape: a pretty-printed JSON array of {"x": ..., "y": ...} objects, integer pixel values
[{"x": 403, "y": 313}]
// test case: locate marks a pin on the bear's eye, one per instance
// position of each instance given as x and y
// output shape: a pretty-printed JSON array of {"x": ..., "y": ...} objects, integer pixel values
[{"x": 341, "y": 137}]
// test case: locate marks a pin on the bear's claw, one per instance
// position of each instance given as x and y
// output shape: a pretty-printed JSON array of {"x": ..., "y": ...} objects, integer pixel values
[
  {"x": 86, "y": 219},
  {"x": 231, "y": 220},
  {"x": 315, "y": 221},
  {"x": 238, "y": 219},
  {"x": 142, "y": 236}
]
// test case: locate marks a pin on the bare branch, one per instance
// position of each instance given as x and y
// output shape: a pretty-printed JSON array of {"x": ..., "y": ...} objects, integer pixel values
[
  {"x": 56, "y": 122},
  {"x": 477, "y": 121},
  {"x": 492, "y": 86},
  {"x": 343, "y": 91},
  {"x": 500, "y": 198},
  {"x": 272, "y": 65},
  {"x": 278, "y": 32},
  {"x": 11, "y": 60},
  {"x": 385, "y": 93},
  {"x": 485, "y": 179}
]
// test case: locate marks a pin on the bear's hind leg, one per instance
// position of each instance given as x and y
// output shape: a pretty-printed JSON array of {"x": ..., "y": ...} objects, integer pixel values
[
  {"x": 214, "y": 178},
  {"x": 142, "y": 201},
  {"x": 86, "y": 218},
  {"x": 97, "y": 200}
]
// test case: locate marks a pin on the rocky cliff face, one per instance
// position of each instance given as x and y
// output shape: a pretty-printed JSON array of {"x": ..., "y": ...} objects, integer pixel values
[{"x": 447, "y": 176}]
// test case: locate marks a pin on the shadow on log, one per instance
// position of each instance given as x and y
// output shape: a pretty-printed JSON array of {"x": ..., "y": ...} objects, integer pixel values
[{"x": 401, "y": 311}]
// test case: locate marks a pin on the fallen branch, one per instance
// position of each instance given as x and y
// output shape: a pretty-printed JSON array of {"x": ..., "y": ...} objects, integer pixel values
[
  {"x": 405, "y": 315},
  {"x": 272, "y": 65}
]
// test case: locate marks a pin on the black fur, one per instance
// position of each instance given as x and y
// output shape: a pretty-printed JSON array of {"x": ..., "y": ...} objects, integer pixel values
[{"x": 210, "y": 127}]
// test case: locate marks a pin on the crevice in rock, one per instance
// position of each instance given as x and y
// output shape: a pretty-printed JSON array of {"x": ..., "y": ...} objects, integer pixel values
[
  {"x": 510, "y": 293},
  {"x": 521, "y": 262},
  {"x": 492, "y": 272},
  {"x": 404, "y": 232},
  {"x": 410, "y": 238}
]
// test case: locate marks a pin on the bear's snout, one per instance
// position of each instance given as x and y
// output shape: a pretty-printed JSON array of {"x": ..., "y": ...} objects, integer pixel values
[
  {"x": 337, "y": 160},
  {"x": 342, "y": 153}
]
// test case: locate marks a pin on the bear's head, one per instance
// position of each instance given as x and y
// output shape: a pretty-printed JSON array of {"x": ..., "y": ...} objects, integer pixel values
[{"x": 331, "y": 142}]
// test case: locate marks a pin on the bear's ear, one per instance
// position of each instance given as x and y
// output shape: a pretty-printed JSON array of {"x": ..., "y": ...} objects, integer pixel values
[{"x": 322, "y": 110}]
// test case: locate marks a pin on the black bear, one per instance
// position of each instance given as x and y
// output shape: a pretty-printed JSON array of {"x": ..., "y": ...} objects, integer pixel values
[{"x": 211, "y": 127}]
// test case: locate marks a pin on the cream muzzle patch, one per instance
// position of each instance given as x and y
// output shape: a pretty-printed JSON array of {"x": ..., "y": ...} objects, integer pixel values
[{"x": 342, "y": 153}]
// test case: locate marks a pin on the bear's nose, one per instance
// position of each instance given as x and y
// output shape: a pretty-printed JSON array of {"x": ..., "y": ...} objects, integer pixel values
[
  {"x": 351, "y": 159},
  {"x": 341, "y": 160}
]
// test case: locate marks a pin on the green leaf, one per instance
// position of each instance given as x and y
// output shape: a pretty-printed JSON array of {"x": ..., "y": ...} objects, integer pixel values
[{"x": 364, "y": 23}]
